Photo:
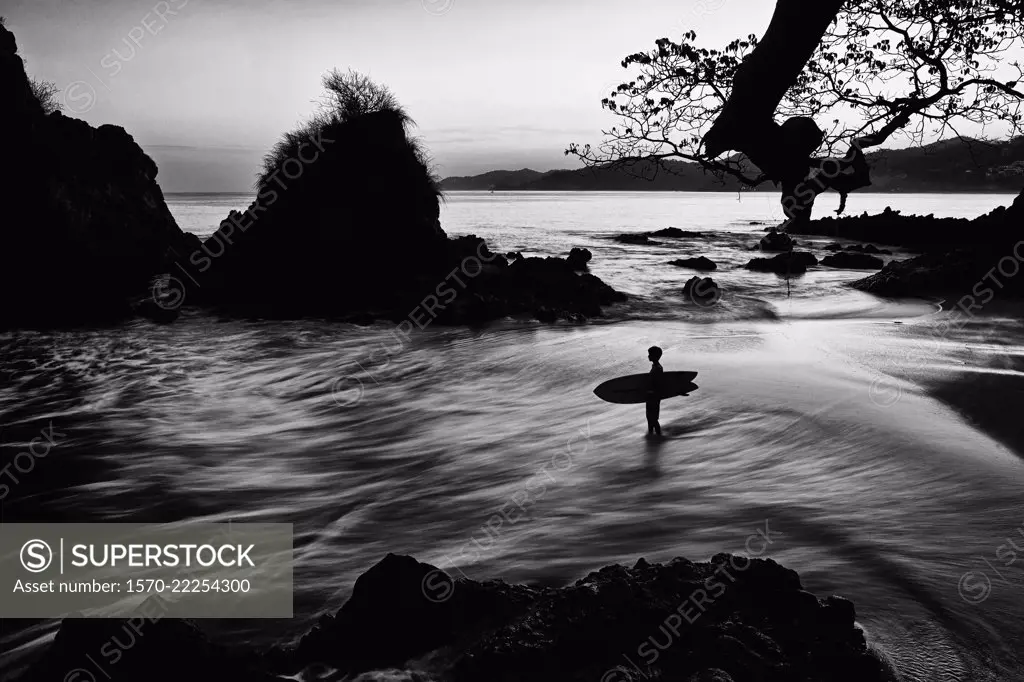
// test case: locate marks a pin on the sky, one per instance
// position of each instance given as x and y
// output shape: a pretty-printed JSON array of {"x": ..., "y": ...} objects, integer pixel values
[{"x": 207, "y": 86}]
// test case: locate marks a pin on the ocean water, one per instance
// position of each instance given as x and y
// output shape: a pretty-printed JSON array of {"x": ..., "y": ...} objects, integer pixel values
[{"x": 817, "y": 423}]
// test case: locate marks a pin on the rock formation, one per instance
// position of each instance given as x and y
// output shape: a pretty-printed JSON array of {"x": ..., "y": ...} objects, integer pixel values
[
  {"x": 703, "y": 291},
  {"x": 789, "y": 263},
  {"x": 852, "y": 261},
  {"x": 675, "y": 232},
  {"x": 699, "y": 263},
  {"x": 732, "y": 619},
  {"x": 973, "y": 261},
  {"x": 85, "y": 225},
  {"x": 776, "y": 241},
  {"x": 578, "y": 258},
  {"x": 638, "y": 239},
  {"x": 349, "y": 228}
]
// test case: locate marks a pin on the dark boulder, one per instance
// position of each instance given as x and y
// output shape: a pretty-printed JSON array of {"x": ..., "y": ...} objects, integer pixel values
[
  {"x": 699, "y": 263},
  {"x": 852, "y": 261},
  {"x": 578, "y": 258},
  {"x": 790, "y": 263},
  {"x": 776, "y": 241},
  {"x": 145, "y": 647},
  {"x": 702, "y": 291},
  {"x": 582, "y": 631},
  {"x": 545, "y": 288},
  {"x": 868, "y": 248},
  {"x": 732, "y": 617},
  {"x": 962, "y": 274},
  {"x": 639, "y": 239},
  {"x": 960, "y": 259},
  {"x": 402, "y": 608},
  {"x": 514, "y": 255},
  {"x": 834, "y": 246},
  {"x": 921, "y": 233},
  {"x": 675, "y": 232}
]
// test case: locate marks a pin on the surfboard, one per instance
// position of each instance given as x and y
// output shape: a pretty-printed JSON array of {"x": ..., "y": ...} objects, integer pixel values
[{"x": 633, "y": 389}]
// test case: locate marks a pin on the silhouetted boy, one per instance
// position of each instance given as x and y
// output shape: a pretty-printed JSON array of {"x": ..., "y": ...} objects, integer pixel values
[{"x": 653, "y": 400}]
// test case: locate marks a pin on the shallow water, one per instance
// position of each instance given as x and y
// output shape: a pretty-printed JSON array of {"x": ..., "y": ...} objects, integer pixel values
[{"x": 814, "y": 423}]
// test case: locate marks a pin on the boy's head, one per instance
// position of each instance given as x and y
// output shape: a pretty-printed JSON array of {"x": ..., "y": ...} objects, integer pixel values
[{"x": 654, "y": 354}]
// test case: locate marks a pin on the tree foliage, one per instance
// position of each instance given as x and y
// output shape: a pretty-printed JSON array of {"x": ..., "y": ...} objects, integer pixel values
[
  {"x": 347, "y": 95},
  {"x": 46, "y": 93},
  {"x": 884, "y": 68}
]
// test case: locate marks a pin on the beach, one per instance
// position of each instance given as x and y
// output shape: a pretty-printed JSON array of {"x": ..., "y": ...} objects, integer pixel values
[{"x": 832, "y": 421}]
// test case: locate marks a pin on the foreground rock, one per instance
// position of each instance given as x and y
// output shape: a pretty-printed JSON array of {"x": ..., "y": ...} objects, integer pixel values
[
  {"x": 729, "y": 619},
  {"x": 852, "y": 261},
  {"x": 791, "y": 263},
  {"x": 699, "y": 263},
  {"x": 85, "y": 225}
]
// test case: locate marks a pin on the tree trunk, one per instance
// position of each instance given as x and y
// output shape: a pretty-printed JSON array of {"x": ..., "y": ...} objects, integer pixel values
[
  {"x": 797, "y": 204},
  {"x": 746, "y": 123}
]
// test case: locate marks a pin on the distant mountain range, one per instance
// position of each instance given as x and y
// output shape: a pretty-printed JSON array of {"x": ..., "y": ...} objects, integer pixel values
[{"x": 958, "y": 165}]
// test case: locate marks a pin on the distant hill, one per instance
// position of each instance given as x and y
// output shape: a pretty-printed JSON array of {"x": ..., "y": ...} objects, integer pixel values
[
  {"x": 950, "y": 166},
  {"x": 491, "y": 179},
  {"x": 958, "y": 165}
]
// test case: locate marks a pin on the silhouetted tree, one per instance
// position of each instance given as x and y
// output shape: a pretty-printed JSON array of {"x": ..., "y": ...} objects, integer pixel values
[{"x": 875, "y": 68}]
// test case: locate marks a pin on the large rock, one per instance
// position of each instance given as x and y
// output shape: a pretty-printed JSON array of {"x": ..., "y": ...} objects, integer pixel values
[
  {"x": 731, "y": 618},
  {"x": 675, "y": 232},
  {"x": 964, "y": 275},
  {"x": 776, "y": 241},
  {"x": 699, "y": 263},
  {"x": 852, "y": 261},
  {"x": 972, "y": 262},
  {"x": 578, "y": 258},
  {"x": 868, "y": 248},
  {"x": 356, "y": 231},
  {"x": 144, "y": 647},
  {"x": 641, "y": 239},
  {"x": 921, "y": 233},
  {"x": 789, "y": 263},
  {"x": 85, "y": 225},
  {"x": 704, "y": 291}
]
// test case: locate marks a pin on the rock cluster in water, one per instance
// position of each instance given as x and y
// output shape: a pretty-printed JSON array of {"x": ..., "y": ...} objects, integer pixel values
[
  {"x": 922, "y": 233},
  {"x": 732, "y": 619},
  {"x": 973, "y": 261}
]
